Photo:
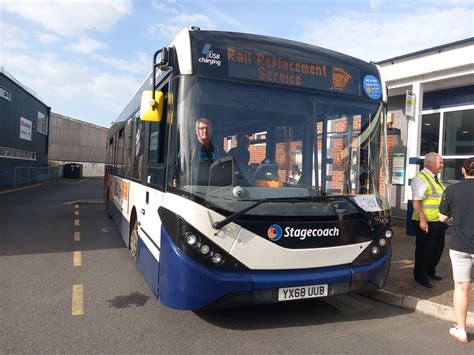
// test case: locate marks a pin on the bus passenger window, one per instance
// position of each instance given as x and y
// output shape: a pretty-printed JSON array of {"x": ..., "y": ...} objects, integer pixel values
[{"x": 137, "y": 169}]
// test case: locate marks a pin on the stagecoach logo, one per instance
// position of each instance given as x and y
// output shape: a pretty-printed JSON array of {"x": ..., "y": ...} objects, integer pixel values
[
  {"x": 275, "y": 232},
  {"x": 209, "y": 56}
]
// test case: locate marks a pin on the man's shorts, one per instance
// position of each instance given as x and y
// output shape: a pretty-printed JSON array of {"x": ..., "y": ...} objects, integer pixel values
[{"x": 462, "y": 265}]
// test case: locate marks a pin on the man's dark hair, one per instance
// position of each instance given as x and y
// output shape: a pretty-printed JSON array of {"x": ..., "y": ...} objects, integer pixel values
[{"x": 469, "y": 166}]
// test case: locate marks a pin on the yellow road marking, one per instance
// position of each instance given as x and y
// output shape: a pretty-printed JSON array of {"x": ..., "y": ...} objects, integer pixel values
[
  {"x": 76, "y": 213},
  {"x": 77, "y": 308},
  {"x": 76, "y": 222},
  {"x": 77, "y": 260},
  {"x": 20, "y": 188},
  {"x": 77, "y": 236}
]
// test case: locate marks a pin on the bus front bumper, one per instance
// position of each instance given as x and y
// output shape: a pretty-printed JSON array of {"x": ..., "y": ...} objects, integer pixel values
[{"x": 186, "y": 284}]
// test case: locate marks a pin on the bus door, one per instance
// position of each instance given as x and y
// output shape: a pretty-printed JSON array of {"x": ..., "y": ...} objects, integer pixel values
[{"x": 154, "y": 180}]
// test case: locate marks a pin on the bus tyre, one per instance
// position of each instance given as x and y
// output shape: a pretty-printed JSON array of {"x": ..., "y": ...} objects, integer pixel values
[{"x": 134, "y": 240}]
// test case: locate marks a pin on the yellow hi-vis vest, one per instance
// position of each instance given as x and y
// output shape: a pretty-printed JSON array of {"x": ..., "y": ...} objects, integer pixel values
[{"x": 433, "y": 194}]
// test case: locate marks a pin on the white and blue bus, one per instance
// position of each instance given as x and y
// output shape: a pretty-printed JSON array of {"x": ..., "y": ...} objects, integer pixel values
[{"x": 305, "y": 213}]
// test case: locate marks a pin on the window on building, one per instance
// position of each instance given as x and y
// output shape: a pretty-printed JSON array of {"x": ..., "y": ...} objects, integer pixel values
[
  {"x": 429, "y": 133},
  {"x": 458, "y": 133},
  {"x": 5, "y": 93},
  {"x": 452, "y": 169},
  {"x": 42, "y": 123}
]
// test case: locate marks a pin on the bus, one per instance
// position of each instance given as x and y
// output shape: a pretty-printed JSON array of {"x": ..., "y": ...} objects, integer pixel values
[{"x": 304, "y": 214}]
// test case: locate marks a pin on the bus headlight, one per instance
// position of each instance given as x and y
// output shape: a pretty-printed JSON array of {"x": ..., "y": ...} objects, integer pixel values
[
  {"x": 204, "y": 249},
  {"x": 388, "y": 233},
  {"x": 192, "y": 240},
  {"x": 217, "y": 259},
  {"x": 378, "y": 248},
  {"x": 195, "y": 244},
  {"x": 374, "y": 250}
]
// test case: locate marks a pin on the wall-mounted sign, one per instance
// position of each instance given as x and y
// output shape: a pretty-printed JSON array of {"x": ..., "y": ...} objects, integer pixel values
[
  {"x": 410, "y": 106},
  {"x": 398, "y": 169},
  {"x": 26, "y": 127}
]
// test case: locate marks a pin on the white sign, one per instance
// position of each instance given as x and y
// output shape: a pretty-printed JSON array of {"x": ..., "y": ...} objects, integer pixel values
[
  {"x": 398, "y": 169},
  {"x": 368, "y": 203},
  {"x": 410, "y": 106},
  {"x": 26, "y": 127}
]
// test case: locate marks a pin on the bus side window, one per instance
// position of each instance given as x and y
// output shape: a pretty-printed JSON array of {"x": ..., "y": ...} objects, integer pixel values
[
  {"x": 139, "y": 142},
  {"x": 119, "y": 156},
  {"x": 156, "y": 147},
  {"x": 128, "y": 149}
]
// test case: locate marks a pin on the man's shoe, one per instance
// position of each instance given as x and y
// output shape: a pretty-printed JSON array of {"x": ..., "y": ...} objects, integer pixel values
[
  {"x": 425, "y": 283},
  {"x": 459, "y": 334},
  {"x": 435, "y": 277}
]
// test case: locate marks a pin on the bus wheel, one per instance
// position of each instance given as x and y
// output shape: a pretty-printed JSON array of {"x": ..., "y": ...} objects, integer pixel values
[{"x": 134, "y": 240}]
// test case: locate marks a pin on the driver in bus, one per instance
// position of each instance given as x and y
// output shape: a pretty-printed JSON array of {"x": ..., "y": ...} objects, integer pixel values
[{"x": 206, "y": 151}]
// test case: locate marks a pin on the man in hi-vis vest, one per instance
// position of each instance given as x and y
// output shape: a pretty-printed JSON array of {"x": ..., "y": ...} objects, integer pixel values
[{"x": 427, "y": 191}]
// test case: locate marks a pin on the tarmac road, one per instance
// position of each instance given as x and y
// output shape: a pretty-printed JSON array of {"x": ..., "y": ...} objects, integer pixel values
[{"x": 45, "y": 263}]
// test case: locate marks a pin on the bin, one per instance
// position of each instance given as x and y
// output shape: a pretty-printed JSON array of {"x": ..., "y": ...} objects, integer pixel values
[{"x": 72, "y": 170}]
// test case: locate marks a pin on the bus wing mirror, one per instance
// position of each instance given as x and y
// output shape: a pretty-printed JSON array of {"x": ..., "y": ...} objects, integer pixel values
[{"x": 151, "y": 109}]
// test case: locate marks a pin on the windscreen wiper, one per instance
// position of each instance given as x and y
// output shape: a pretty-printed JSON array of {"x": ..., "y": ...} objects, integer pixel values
[{"x": 219, "y": 224}]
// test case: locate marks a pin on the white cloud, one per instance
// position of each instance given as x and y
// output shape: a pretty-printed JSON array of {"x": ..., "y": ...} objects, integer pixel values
[
  {"x": 71, "y": 17},
  {"x": 177, "y": 22},
  {"x": 139, "y": 65},
  {"x": 385, "y": 35},
  {"x": 374, "y": 4},
  {"x": 167, "y": 5},
  {"x": 225, "y": 19},
  {"x": 47, "y": 38},
  {"x": 178, "y": 18},
  {"x": 87, "y": 45},
  {"x": 12, "y": 36},
  {"x": 72, "y": 88}
]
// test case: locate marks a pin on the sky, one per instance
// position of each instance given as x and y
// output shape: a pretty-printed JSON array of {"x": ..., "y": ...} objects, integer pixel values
[{"x": 86, "y": 58}]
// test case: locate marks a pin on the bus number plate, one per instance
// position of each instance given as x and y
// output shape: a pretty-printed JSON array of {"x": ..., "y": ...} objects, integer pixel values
[{"x": 294, "y": 293}]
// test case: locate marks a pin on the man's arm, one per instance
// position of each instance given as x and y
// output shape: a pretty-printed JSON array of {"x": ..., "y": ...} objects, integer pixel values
[
  {"x": 443, "y": 218},
  {"x": 419, "y": 210},
  {"x": 444, "y": 207}
]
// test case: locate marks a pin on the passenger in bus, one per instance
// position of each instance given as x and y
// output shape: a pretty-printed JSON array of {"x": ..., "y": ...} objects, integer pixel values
[
  {"x": 295, "y": 175},
  {"x": 241, "y": 153}
]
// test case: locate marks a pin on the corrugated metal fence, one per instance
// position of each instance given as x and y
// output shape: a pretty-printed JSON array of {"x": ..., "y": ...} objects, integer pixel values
[{"x": 16, "y": 176}]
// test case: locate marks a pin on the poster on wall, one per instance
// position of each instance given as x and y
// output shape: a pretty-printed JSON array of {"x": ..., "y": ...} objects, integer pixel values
[
  {"x": 398, "y": 169},
  {"x": 410, "y": 106},
  {"x": 26, "y": 127}
]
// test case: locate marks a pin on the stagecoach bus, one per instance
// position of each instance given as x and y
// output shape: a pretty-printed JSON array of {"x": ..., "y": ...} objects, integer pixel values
[{"x": 304, "y": 213}]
